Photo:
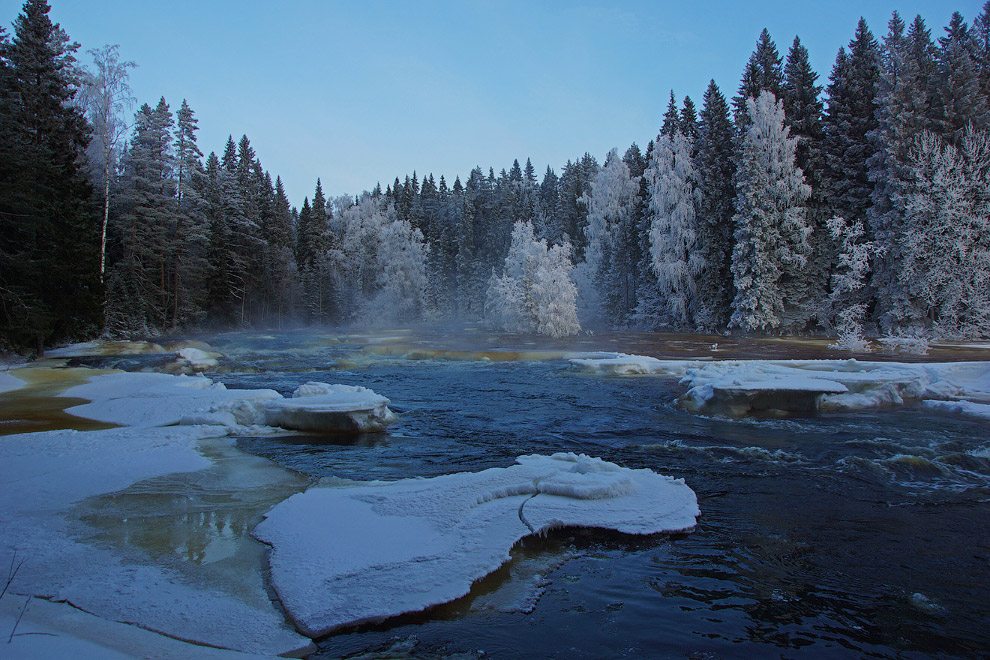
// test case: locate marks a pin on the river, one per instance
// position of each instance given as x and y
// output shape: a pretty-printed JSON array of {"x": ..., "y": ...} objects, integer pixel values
[{"x": 829, "y": 535}]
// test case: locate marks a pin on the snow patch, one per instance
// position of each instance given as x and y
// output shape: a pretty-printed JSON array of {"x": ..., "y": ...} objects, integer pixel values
[
  {"x": 965, "y": 408},
  {"x": 351, "y": 554},
  {"x": 9, "y": 382}
]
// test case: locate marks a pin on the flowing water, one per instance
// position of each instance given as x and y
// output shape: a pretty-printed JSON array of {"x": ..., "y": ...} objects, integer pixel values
[{"x": 834, "y": 535}]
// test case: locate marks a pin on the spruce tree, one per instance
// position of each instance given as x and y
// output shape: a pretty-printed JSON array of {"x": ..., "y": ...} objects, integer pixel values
[
  {"x": 850, "y": 124},
  {"x": 49, "y": 227},
  {"x": 762, "y": 73},
  {"x": 716, "y": 167},
  {"x": 675, "y": 256},
  {"x": 770, "y": 252},
  {"x": 961, "y": 100},
  {"x": 803, "y": 117}
]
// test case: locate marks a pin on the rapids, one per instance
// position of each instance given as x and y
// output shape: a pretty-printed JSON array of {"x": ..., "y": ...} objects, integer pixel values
[{"x": 832, "y": 534}]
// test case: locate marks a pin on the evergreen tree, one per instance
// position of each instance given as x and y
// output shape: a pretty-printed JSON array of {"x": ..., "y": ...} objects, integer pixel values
[
  {"x": 762, "y": 73},
  {"x": 803, "y": 117},
  {"x": 603, "y": 279},
  {"x": 716, "y": 172},
  {"x": 850, "y": 124},
  {"x": 675, "y": 256},
  {"x": 904, "y": 115},
  {"x": 961, "y": 99},
  {"x": 671, "y": 118},
  {"x": 191, "y": 236},
  {"x": 49, "y": 228},
  {"x": 770, "y": 253}
]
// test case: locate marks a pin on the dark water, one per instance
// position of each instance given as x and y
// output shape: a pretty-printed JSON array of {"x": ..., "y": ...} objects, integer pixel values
[{"x": 839, "y": 535}]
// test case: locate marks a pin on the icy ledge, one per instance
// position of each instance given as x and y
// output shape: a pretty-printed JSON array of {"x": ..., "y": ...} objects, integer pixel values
[
  {"x": 149, "y": 400},
  {"x": 739, "y": 387},
  {"x": 353, "y": 554}
]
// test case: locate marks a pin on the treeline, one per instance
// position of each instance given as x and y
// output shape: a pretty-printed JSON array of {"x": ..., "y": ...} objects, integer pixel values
[{"x": 860, "y": 205}]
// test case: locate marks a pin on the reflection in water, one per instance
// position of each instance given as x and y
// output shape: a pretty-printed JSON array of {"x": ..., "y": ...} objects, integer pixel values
[{"x": 196, "y": 522}]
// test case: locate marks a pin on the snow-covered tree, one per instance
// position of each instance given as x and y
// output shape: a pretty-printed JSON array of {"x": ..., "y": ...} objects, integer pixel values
[
  {"x": 611, "y": 207},
  {"x": 846, "y": 301},
  {"x": 771, "y": 237},
  {"x": 535, "y": 292},
  {"x": 675, "y": 255},
  {"x": 105, "y": 96},
  {"x": 946, "y": 267}
]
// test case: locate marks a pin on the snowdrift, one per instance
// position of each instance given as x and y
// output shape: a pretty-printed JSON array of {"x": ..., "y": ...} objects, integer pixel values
[{"x": 363, "y": 552}]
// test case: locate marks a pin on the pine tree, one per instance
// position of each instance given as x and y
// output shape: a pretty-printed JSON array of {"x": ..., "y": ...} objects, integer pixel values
[
  {"x": 716, "y": 172},
  {"x": 671, "y": 118},
  {"x": 770, "y": 252},
  {"x": 49, "y": 228},
  {"x": 191, "y": 236}
]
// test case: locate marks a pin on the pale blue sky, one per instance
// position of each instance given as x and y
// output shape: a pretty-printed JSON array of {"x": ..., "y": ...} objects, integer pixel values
[{"x": 362, "y": 91}]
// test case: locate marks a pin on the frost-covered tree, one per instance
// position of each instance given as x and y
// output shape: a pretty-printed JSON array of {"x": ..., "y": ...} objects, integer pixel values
[
  {"x": 905, "y": 99},
  {"x": 603, "y": 280},
  {"x": 846, "y": 300},
  {"x": 946, "y": 266},
  {"x": 105, "y": 96},
  {"x": 378, "y": 263},
  {"x": 535, "y": 292},
  {"x": 771, "y": 238},
  {"x": 675, "y": 256}
]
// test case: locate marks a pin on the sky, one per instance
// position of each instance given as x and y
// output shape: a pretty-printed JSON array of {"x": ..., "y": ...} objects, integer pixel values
[{"x": 362, "y": 91}]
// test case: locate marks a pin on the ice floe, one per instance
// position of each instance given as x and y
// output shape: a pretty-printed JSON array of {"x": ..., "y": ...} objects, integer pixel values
[
  {"x": 149, "y": 399},
  {"x": 741, "y": 387},
  {"x": 330, "y": 408},
  {"x": 363, "y": 552}
]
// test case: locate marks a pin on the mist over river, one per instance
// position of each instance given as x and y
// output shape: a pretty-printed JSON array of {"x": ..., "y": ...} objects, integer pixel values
[{"x": 826, "y": 535}]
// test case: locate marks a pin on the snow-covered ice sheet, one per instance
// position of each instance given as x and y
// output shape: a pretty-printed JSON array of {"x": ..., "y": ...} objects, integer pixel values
[
  {"x": 357, "y": 553},
  {"x": 44, "y": 475},
  {"x": 965, "y": 408},
  {"x": 58, "y": 630},
  {"x": 149, "y": 399},
  {"x": 739, "y": 387}
]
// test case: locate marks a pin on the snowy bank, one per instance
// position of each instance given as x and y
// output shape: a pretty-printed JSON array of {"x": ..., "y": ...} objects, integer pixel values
[
  {"x": 336, "y": 408},
  {"x": 363, "y": 552},
  {"x": 740, "y": 387},
  {"x": 45, "y": 477}
]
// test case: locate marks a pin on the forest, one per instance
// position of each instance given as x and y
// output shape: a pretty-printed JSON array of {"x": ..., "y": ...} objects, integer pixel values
[{"x": 857, "y": 206}]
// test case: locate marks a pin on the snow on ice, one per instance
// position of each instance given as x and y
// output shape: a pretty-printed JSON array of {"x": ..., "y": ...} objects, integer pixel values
[
  {"x": 149, "y": 399},
  {"x": 363, "y": 552},
  {"x": 740, "y": 387}
]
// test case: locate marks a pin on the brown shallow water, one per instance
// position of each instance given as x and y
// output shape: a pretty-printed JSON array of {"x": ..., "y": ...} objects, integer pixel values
[{"x": 38, "y": 407}]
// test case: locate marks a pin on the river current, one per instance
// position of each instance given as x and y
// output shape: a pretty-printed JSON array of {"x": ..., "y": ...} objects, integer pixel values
[{"x": 833, "y": 535}]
